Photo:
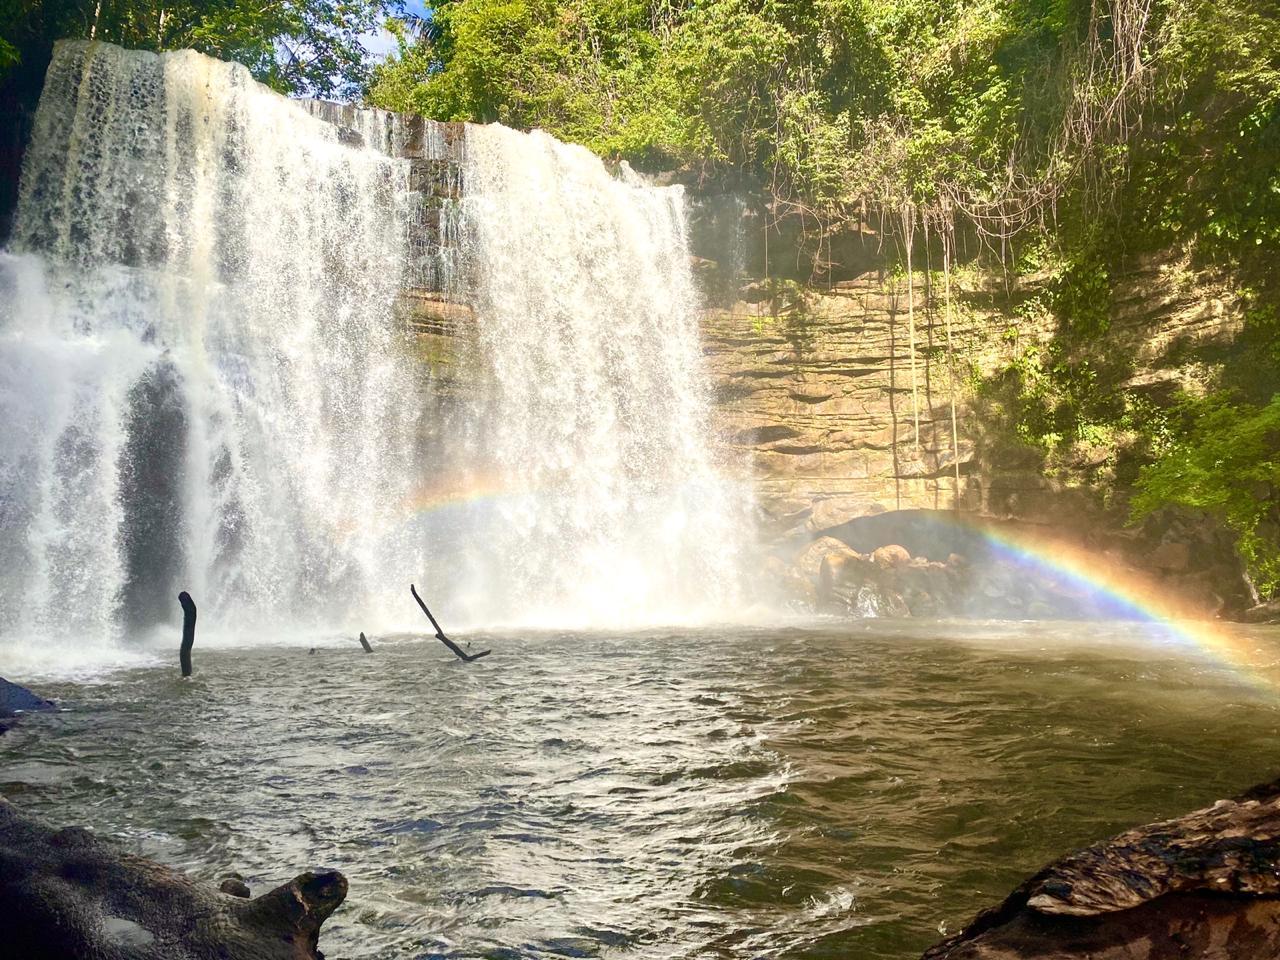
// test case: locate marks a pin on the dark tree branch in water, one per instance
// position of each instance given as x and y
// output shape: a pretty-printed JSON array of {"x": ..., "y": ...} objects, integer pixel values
[
  {"x": 462, "y": 655},
  {"x": 188, "y": 631},
  {"x": 365, "y": 643}
]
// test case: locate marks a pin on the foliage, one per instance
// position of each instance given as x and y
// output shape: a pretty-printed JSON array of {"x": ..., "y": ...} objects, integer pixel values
[
  {"x": 1225, "y": 461},
  {"x": 296, "y": 46}
]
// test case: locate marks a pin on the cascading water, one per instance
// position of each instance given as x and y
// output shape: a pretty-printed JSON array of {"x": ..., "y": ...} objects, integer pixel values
[
  {"x": 205, "y": 385},
  {"x": 595, "y": 422},
  {"x": 201, "y": 384}
]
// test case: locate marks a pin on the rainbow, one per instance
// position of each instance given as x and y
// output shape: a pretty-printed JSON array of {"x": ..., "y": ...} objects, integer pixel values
[
  {"x": 1128, "y": 594},
  {"x": 1123, "y": 593},
  {"x": 459, "y": 491}
]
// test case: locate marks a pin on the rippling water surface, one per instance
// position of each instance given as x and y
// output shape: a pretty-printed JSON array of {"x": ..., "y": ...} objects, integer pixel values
[{"x": 826, "y": 791}]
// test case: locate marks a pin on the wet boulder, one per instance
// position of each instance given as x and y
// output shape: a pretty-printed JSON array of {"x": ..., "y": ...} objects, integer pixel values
[
  {"x": 1203, "y": 885},
  {"x": 891, "y": 556},
  {"x": 66, "y": 895},
  {"x": 15, "y": 699},
  {"x": 860, "y": 587},
  {"x": 808, "y": 562}
]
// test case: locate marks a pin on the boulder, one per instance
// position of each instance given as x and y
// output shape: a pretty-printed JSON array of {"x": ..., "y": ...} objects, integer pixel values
[
  {"x": 1263, "y": 613},
  {"x": 1203, "y": 885},
  {"x": 860, "y": 588},
  {"x": 66, "y": 895},
  {"x": 890, "y": 556},
  {"x": 837, "y": 572},
  {"x": 15, "y": 699},
  {"x": 808, "y": 561}
]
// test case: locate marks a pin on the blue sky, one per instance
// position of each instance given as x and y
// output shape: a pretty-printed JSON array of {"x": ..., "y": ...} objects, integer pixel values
[{"x": 379, "y": 42}]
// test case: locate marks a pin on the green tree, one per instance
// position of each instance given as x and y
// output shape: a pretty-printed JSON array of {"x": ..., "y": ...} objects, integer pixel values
[
  {"x": 1227, "y": 463},
  {"x": 296, "y": 46}
]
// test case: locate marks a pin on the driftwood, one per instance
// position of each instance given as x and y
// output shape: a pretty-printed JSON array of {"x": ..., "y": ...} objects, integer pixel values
[
  {"x": 462, "y": 654},
  {"x": 364, "y": 642},
  {"x": 65, "y": 895},
  {"x": 188, "y": 631},
  {"x": 1203, "y": 885}
]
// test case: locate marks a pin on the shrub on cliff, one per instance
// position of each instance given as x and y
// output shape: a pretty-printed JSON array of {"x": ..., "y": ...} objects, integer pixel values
[{"x": 1226, "y": 462}]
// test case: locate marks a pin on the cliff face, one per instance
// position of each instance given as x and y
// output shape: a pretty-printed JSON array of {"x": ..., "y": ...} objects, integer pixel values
[
  {"x": 842, "y": 415},
  {"x": 816, "y": 388}
]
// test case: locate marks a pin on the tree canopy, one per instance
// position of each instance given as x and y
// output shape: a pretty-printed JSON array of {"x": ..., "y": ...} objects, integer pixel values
[{"x": 296, "y": 46}]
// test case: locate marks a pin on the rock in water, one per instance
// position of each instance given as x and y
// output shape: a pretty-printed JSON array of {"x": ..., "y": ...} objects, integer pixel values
[
  {"x": 14, "y": 699},
  {"x": 1263, "y": 613},
  {"x": 1204, "y": 885},
  {"x": 891, "y": 555},
  {"x": 65, "y": 895}
]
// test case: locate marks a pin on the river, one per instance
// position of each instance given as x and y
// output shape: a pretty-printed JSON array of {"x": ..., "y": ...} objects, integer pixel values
[{"x": 821, "y": 789}]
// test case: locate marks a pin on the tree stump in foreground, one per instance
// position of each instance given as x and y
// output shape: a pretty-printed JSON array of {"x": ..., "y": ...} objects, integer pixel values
[
  {"x": 1204, "y": 885},
  {"x": 66, "y": 895}
]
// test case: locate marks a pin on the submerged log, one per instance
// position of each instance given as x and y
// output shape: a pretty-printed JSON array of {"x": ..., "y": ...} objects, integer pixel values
[
  {"x": 1203, "y": 885},
  {"x": 188, "y": 631},
  {"x": 65, "y": 895}
]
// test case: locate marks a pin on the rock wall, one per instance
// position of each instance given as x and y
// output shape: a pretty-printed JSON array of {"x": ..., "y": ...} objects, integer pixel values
[
  {"x": 841, "y": 417},
  {"x": 816, "y": 389},
  {"x": 843, "y": 414}
]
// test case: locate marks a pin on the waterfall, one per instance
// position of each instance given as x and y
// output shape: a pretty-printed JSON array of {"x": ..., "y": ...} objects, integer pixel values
[
  {"x": 594, "y": 421},
  {"x": 200, "y": 379},
  {"x": 206, "y": 383}
]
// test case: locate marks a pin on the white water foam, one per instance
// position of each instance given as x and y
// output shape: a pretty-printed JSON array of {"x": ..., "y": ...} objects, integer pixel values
[
  {"x": 594, "y": 415},
  {"x": 205, "y": 386},
  {"x": 201, "y": 381}
]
